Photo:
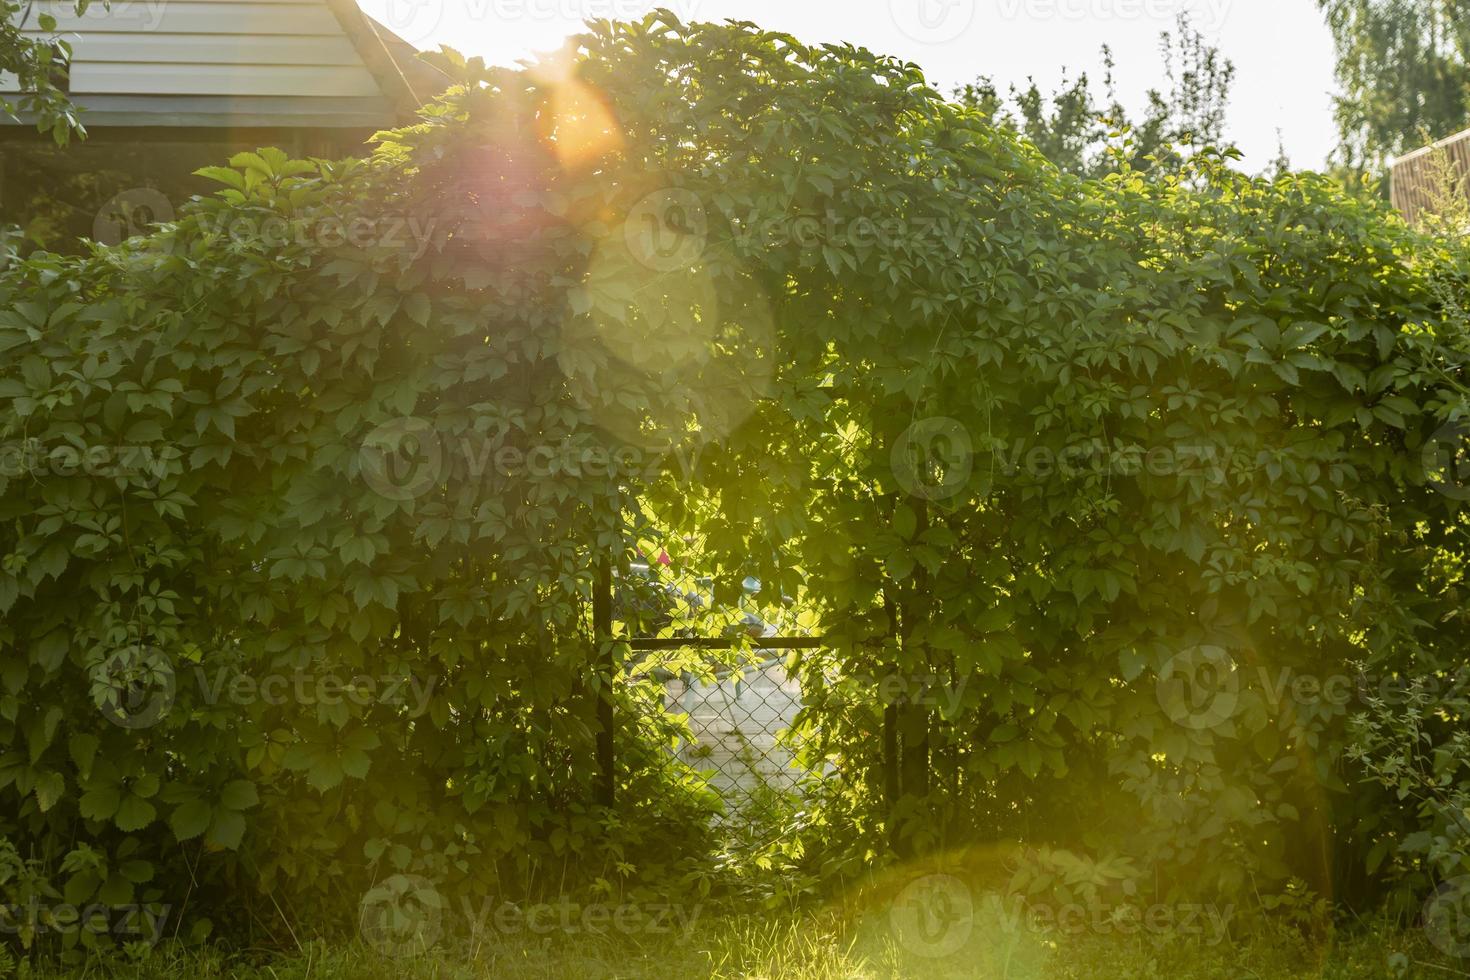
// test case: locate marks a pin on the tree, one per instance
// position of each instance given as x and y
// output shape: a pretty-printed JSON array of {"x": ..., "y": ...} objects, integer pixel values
[
  {"x": 41, "y": 65},
  {"x": 1404, "y": 69},
  {"x": 1085, "y": 135}
]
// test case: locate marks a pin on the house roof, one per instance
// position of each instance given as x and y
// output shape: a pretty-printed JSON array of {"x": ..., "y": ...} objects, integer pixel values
[{"x": 236, "y": 63}]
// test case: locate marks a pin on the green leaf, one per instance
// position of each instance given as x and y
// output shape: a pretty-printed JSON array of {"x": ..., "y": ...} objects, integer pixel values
[
  {"x": 49, "y": 788},
  {"x": 418, "y": 308},
  {"x": 325, "y": 773},
  {"x": 137, "y": 871},
  {"x": 101, "y": 803},
  {"x": 83, "y": 750},
  {"x": 251, "y": 161},
  {"x": 224, "y": 175},
  {"x": 51, "y": 651},
  {"x": 239, "y": 795},
  {"x": 227, "y": 830},
  {"x": 191, "y": 819},
  {"x": 134, "y": 813}
]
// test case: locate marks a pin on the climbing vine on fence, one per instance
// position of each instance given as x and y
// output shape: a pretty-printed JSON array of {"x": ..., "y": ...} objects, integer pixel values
[{"x": 310, "y": 487}]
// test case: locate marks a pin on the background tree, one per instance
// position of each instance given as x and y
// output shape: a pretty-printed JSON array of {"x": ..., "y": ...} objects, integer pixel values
[
  {"x": 1089, "y": 135},
  {"x": 1404, "y": 69}
]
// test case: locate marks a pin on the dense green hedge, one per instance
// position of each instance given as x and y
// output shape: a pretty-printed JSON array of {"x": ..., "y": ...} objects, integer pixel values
[{"x": 1045, "y": 447}]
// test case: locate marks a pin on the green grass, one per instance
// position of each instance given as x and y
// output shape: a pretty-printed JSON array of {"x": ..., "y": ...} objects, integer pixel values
[{"x": 817, "y": 947}]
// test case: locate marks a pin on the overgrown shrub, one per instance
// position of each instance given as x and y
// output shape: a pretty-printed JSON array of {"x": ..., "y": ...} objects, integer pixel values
[{"x": 1103, "y": 463}]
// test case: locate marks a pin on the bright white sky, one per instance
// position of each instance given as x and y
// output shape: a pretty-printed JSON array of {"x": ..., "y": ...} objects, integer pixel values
[{"x": 1281, "y": 48}]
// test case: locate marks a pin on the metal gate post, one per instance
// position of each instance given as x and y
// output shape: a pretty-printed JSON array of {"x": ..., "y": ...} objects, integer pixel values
[{"x": 602, "y": 639}]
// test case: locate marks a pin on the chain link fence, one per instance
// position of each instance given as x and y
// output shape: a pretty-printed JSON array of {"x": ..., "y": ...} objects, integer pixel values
[
  {"x": 719, "y": 670},
  {"x": 739, "y": 723}
]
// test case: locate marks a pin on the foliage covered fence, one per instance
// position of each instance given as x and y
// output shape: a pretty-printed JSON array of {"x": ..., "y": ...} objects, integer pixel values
[
  {"x": 724, "y": 671},
  {"x": 1095, "y": 465}
]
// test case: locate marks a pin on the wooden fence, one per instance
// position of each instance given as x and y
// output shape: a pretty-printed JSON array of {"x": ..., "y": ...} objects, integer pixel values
[{"x": 1417, "y": 179}]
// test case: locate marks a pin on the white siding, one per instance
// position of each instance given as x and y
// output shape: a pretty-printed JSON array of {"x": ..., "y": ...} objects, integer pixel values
[
  {"x": 213, "y": 49},
  {"x": 221, "y": 79},
  {"x": 193, "y": 17},
  {"x": 284, "y": 48}
]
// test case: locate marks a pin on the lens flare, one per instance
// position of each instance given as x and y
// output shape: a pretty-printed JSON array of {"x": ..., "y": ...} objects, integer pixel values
[
  {"x": 575, "y": 122},
  {"x": 695, "y": 342}
]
